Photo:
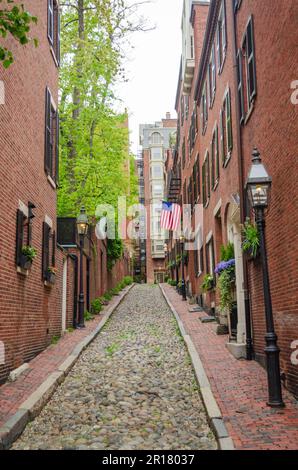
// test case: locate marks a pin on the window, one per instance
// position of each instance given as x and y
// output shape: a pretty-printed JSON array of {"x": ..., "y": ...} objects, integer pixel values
[
  {"x": 156, "y": 138},
  {"x": 240, "y": 87},
  {"x": 156, "y": 153},
  {"x": 195, "y": 181},
  {"x": 214, "y": 159},
  {"x": 182, "y": 109},
  {"x": 210, "y": 258},
  {"x": 199, "y": 261},
  {"x": 190, "y": 193},
  {"x": 51, "y": 138},
  {"x": 198, "y": 179},
  {"x": 226, "y": 135},
  {"x": 183, "y": 153},
  {"x": 192, "y": 129},
  {"x": 157, "y": 190},
  {"x": 212, "y": 77},
  {"x": 248, "y": 51},
  {"x": 54, "y": 27},
  {"x": 206, "y": 180},
  {"x": 48, "y": 249},
  {"x": 22, "y": 238},
  {"x": 221, "y": 34},
  {"x": 204, "y": 109},
  {"x": 156, "y": 171},
  {"x": 186, "y": 100}
]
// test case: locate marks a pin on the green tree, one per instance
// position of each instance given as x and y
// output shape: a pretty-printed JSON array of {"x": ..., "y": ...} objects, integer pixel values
[
  {"x": 95, "y": 166},
  {"x": 16, "y": 21}
]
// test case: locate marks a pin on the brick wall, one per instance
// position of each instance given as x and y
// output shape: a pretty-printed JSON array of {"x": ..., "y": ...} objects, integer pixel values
[
  {"x": 29, "y": 311},
  {"x": 272, "y": 127}
]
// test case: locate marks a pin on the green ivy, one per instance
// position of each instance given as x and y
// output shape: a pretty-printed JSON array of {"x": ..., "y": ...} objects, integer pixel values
[
  {"x": 15, "y": 21},
  {"x": 115, "y": 251},
  {"x": 224, "y": 285},
  {"x": 208, "y": 283},
  {"x": 227, "y": 252}
]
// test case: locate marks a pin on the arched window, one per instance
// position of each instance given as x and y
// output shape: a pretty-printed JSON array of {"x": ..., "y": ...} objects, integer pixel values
[{"x": 156, "y": 138}]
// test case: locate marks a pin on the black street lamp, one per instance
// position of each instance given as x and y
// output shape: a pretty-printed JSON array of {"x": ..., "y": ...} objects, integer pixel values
[
  {"x": 258, "y": 187},
  {"x": 82, "y": 227},
  {"x": 183, "y": 288}
]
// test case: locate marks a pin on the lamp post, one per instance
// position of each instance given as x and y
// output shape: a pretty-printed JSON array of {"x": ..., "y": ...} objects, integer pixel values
[
  {"x": 82, "y": 227},
  {"x": 258, "y": 187},
  {"x": 183, "y": 288}
]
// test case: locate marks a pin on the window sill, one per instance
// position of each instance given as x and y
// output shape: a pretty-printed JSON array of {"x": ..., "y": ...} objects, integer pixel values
[
  {"x": 22, "y": 272},
  {"x": 52, "y": 182}
]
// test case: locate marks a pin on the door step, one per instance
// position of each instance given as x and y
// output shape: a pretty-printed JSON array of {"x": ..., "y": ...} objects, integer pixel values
[{"x": 207, "y": 319}]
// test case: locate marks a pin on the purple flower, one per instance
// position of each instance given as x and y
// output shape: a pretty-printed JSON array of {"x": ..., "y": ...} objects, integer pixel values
[{"x": 224, "y": 265}]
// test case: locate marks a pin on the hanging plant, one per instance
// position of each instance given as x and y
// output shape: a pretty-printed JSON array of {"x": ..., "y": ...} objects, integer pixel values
[
  {"x": 251, "y": 242},
  {"x": 208, "y": 283},
  {"x": 224, "y": 285}
]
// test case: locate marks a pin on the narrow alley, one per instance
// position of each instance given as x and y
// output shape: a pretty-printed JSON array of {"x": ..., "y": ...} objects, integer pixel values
[{"x": 132, "y": 388}]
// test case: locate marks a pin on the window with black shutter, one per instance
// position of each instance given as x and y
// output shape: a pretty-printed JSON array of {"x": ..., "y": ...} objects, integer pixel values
[
  {"x": 240, "y": 87},
  {"x": 198, "y": 176},
  {"x": 51, "y": 160},
  {"x": 21, "y": 218},
  {"x": 48, "y": 249},
  {"x": 221, "y": 37},
  {"x": 212, "y": 77},
  {"x": 214, "y": 159},
  {"x": 54, "y": 27},
  {"x": 226, "y": 133},
  {"x": 206, "y": 180},
  {"x": 248, "y": 49},
  {"x": 195, "y": 183},
  {"x": 204, "y": 109},
  {"x": 46, "y": 236}
]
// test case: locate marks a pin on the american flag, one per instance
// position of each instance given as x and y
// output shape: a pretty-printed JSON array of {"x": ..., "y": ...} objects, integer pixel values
[{"x": 170, "y": 216}]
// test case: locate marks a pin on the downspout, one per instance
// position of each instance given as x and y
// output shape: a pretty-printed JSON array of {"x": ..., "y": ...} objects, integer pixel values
[
  {"x": 74, "y": 258},
  {"x": 243, "y": 213}
]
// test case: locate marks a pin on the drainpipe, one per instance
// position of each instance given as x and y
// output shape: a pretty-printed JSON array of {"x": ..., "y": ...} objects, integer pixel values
[
  {"x": 243, "y": 214},
  {"x": 74, "y": 258}
]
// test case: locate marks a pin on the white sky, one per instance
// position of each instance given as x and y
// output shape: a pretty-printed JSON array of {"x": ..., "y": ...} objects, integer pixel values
[{"x": 152, "y": 67}]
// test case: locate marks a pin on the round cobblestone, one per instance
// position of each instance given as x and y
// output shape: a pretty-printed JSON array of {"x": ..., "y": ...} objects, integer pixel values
[{"x": 132, "y": 388}]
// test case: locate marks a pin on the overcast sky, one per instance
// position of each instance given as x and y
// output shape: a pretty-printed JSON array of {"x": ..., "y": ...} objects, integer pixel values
[{"x": 152, "y": 67}]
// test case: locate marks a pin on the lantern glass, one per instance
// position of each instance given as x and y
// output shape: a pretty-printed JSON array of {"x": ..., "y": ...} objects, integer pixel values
[
  {"x": 82, "y": 222},
  {"x": 259, "y": 194}
]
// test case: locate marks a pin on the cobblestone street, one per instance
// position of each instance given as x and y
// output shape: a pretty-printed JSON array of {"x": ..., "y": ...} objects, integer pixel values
[{"x": 132, "y": 388}]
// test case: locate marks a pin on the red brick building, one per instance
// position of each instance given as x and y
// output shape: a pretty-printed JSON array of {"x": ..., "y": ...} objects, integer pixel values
[
  {"x": 35, "y": 303},
  {"x": 231, "y": 69},
  {"x": 30, "y": 306},
  {"x": 156, "y": 141}
]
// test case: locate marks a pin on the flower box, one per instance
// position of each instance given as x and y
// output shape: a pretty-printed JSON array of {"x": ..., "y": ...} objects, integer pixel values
[
  {"x": 50, "y": 277},
  {"x": 25, "y": 262}
]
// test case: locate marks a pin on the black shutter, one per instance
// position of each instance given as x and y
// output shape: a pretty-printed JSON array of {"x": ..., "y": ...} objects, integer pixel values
[
  {"x": 48, "y": 132},
  {"x": 51, "y": 21},
  {"x": 58, "y": 52},
  {"x": 204, "y": 183},
  {"x": 251, "y": 61},
  {"x": 46, "y": 230},
  {"x": 19, "y": 236},
  {"x": 229, "y": 122},
  {"x": 57, "y": 148},
  {"x": 54, "y": 241},
  {"x": 240, "y": 87}
]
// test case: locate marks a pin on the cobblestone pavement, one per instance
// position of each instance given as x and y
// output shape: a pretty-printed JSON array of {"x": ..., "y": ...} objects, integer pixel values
[{"x": 132, "y": 388}]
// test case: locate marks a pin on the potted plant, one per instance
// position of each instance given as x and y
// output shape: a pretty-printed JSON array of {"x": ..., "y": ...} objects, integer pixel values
[
  {"x": 208, "y": 283},
  {"x": 251, "y": 242},
  {"x": 27, "y": 257},
  {"x": 226, "y": 280},
  {"x": 51, "y": 274}
]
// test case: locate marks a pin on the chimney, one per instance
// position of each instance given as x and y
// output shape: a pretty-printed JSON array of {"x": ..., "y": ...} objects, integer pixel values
[{"x": 168, "y": 115}]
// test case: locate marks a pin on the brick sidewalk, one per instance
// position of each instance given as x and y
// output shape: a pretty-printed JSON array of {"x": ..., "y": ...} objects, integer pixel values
[
  {"x": 240, "y": 388},
  {"x": 13, "y": 394}
]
